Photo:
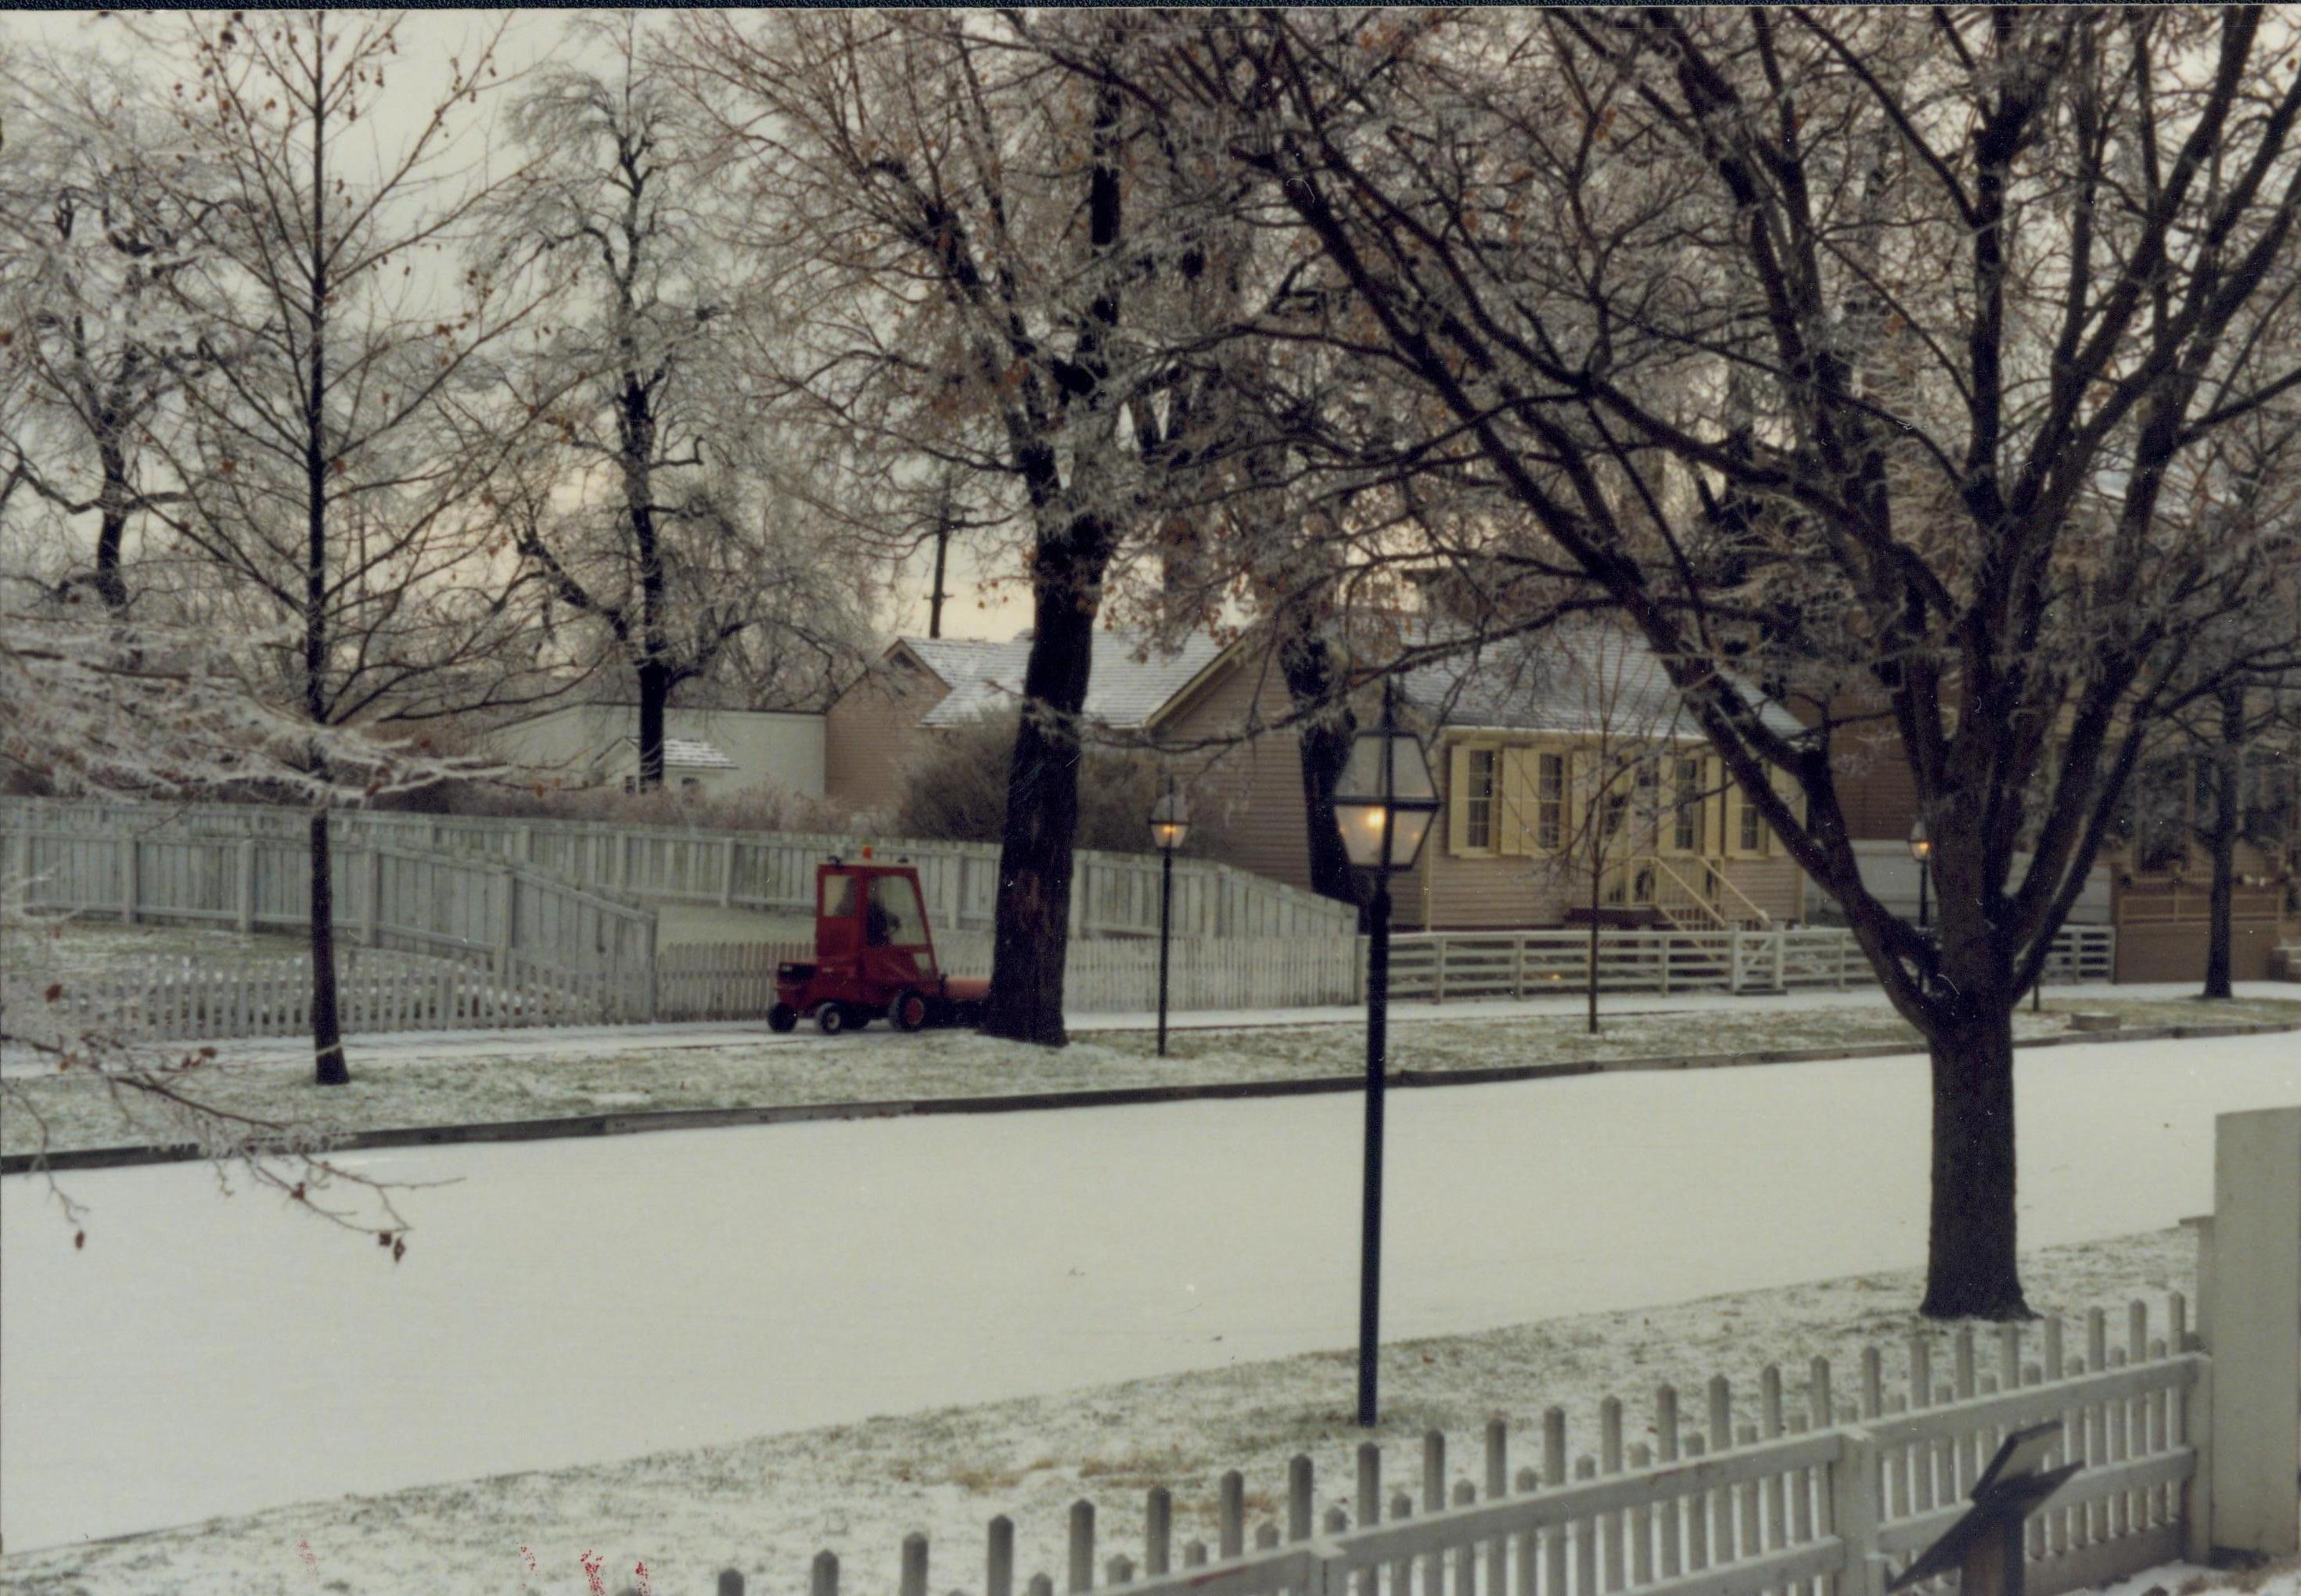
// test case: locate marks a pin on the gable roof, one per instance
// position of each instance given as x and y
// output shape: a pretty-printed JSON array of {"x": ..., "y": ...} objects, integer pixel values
[
  {"x": 1577, "y": 677},
  {"x": 1128, "y": 681},
  {"x": 1574, "y": 677}
]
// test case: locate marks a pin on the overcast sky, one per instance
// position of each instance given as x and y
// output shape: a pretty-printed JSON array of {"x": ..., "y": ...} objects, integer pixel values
[{"x": 427, "y": 39}]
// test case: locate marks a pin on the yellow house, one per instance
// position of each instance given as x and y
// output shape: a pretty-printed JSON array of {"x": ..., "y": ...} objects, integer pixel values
[{"x": 1563, "y": 761}]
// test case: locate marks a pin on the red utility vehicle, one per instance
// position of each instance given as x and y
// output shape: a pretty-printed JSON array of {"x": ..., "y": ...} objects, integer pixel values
[{"x": 873, "y": 956}]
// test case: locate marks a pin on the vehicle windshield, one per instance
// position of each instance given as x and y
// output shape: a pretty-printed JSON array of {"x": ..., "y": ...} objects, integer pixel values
[
  {"x": 893, "y": 919},
  {"x": 838, "y": 897}
]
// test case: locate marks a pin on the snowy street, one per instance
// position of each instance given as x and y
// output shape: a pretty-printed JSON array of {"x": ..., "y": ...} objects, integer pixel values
[{"x": 648, "y": 1293}]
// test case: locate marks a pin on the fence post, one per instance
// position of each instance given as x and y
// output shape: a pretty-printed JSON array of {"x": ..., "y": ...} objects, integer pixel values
[
  {"x": 130, "y": 849},
  {"x": 727, "y": 877},
  {"x": 247, "y": 885},
  {"x": 2197, "y": 1416},
  {"x": 649, "y": 997},
  {"x": 1734, "y": 960},
  {"x": 507, "y": 920},
  {"x": 374, "y": 904},
  {"x": 1854, "y": 1513},
  {"x": 2250, "y": 1315},
  {"x": 1781, "y": 941}
]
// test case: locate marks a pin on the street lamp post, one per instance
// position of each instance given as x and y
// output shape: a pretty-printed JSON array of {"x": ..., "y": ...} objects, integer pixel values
[
  {"x": 1170, "y": 822},
  {"x": 1921, "y": 850},
  {"x": 1383, "y": 807}
]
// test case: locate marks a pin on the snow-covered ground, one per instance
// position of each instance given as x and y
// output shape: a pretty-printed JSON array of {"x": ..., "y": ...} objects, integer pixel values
[
  {"x": 2282, "y": 1578},
  {"x": 581, "y": 1300},
  {"x": 767, "y": 1503},
  {"x": 490, "y": 1077}
]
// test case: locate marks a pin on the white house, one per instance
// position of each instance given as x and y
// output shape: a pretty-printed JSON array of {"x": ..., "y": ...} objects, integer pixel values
[{"x": 713, "y": 753}]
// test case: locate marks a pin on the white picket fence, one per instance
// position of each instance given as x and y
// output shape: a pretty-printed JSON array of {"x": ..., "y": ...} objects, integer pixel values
[
  {"x": 177, "y": 1000},
  {"x": 386, "y": 896},
  {"x": 501, "y": 985},
  {"x": 1829, "y": 1492},
  {"x": 1111, "y": 894},
  {"x": 1443, "y": 966},
  {"x": 736, "y": 980}
]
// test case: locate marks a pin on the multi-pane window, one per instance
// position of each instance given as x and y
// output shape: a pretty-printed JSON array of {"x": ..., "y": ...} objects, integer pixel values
[
  {"x": 1478, "y": 798},
  {"x": 1549, "y": 802},
  {"x": 1752, "y": 839},
  {"x": 1686, "y": 827}
]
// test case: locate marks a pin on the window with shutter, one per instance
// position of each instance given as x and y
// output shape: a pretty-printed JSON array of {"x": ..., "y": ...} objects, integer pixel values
[
  {"x": 1685, "y": 815},
  {"x": 1478, "y": 800},
  {"x": 1550, "y": 801}
]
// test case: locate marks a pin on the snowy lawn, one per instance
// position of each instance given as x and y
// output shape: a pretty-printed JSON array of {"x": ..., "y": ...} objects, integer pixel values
[
  {"x": 581, "y": 1301},
  {"x": 2280, "y": 1578},
  {"x": 64, "y": 949},
  {"x": 526, "y": 1077},
  {"x": 767, "y": 1504}
]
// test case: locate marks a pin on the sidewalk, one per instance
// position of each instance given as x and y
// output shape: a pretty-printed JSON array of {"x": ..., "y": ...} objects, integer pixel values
[{"x": 583, "y": 1041}]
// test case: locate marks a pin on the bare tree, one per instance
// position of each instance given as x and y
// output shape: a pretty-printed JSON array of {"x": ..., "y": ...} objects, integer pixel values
[
  {"x": 92, "y": 231},
  {"x": 997, "y": 278},
  {"x": 656, "y": 504},
  {"x": 1860, "y": 348},
  {"x": 334, "y": 473}
]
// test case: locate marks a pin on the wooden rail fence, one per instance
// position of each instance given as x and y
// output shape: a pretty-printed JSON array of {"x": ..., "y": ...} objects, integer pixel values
[{"x": 1444, "y": 966}]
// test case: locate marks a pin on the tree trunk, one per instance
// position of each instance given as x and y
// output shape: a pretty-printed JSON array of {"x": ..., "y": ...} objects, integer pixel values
[
  {"x": 327, "y": 1029},
  {"x": 112, "y": 529},
  {"x": 655, "y": 701},
  {"x": 2222, "y": 841},
  {"x": 1308, "y": 665},
  {"x": 935, "y": 599},
  {"x": 1597, "y": 884},
  {"x": 1034, "y": 857},
  {"x": 1970, "y": 1269},
  {"x": 327, "y": 1034}
]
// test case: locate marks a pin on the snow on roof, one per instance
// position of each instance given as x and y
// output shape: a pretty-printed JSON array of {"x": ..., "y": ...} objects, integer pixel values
[
  {"x": 1575, "y": 677},
  {"x": 1128, "y": 682},
  {"x": 687, "y": 753},
  {"x": 957, "y": 659}
]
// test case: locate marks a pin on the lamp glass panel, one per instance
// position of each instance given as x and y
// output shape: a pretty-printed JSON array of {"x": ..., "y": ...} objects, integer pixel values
[
  {"x": 1362, "y": 773},
  {"x": 1360, "y": 824},
  {"x": 1407, "y": 828}
]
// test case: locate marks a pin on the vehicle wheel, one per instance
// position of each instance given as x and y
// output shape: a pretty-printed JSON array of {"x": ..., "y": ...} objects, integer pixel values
[
  {"x": 831, "y": 1018},
  {"x": 782, "y": 1017},
  {"x": 910, "y": 1011}
]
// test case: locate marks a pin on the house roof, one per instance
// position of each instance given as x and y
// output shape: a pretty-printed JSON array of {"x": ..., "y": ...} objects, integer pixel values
[
  {"x": 1580, "y": 677},
  {"x": 686, "y": 753},
  {"x": 1575, "y": 677},
  {"x": 1129, "y": 680}
]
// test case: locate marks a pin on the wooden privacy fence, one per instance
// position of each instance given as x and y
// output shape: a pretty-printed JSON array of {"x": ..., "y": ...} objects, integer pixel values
[
  {"x": 1440, "y": 966},
  {"x": 385, "y": 896},
  {"x": 1829, "y": 1496},
  {"x": 176, "y": 1000},
  {"x": 1111, "y": 894}
]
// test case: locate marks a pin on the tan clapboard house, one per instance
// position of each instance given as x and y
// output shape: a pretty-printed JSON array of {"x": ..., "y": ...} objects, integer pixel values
[
  {"x": 1525, "y": 739},
  {"x": 920, "y": 687}
]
